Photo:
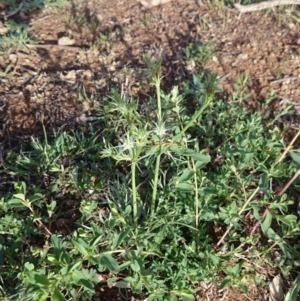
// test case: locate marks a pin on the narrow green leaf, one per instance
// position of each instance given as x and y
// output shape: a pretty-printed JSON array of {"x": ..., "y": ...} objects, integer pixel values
[
  {"x": 292, "y": 294},
  {"x": 80, "y": 248},
  {"x": 272, "y": 235},
  {"x": 139, "y": 286},
  {"x": 57, "y": 295},
  {"x": 176, "y": 149},
  {"x": 214, "y": 259},
  {"x": 187, "y": 296},
  {"x": 109, "y": 262},
  {"x": 135, "y": 266},
  {"x": 16, "y": 203},
  {"x": 186, "y": 175},
  {"x": 207, "y": 215},
  {"x": 57, "y": 242},
  {"x": 87, "y": 284},
  {"x": 266, "y": 223},
  {"x": 295, "y": 156},
  {"x": 41, "y": 280},
  {"x": 225, "y": 282},
  {"x": 289, "y": 219},
  {"x": 118, "y": 239},
  {"x": 236, "y": 269},
  {"x": 20, "y": 196},
  {"x": 185, "y": 187},
  {"x": 201, "y": 157},
  {"x": 206, "y": 191}
]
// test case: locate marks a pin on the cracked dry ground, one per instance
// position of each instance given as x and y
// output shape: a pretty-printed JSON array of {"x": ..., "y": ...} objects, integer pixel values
[{"x": 50, "y": 82}]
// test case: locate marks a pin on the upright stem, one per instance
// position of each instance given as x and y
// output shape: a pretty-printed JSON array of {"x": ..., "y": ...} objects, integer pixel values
[
  {"x": 196, "y": 115},
  {"x": 157, "y": 163},
  {"x": 155, "y": 183},
  {"x": 196, "y": 193},
  {"x": 134, "y": 196},
  {"x": 157, "y": 85}
]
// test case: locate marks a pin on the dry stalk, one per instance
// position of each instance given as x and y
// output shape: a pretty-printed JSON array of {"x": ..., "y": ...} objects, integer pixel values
[{"x": 264, "y": 5}]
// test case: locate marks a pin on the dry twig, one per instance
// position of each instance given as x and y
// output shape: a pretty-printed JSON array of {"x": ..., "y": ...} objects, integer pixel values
[{"x": 264, "y": 5}]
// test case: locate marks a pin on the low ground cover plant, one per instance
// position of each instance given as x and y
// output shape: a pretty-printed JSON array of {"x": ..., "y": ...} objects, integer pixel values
[{"x": 153, "y": 185}]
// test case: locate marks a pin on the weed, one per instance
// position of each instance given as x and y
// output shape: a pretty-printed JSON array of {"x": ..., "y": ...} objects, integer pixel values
[
  {"x": 147, "y": 188},
  {"x": 199, "y": 54}
]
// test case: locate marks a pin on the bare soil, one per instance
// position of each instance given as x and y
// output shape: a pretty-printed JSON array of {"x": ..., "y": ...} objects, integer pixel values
[{"x": 49, "y": 81}]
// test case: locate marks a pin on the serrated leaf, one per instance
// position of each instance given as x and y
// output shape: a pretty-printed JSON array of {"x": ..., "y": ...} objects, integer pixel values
[
  {"x": 109, "y": 262},
  {"x": 184, "y": 187}
]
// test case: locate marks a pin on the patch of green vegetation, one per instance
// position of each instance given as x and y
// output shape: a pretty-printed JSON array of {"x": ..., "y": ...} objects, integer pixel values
[
  {"x": 199, "y": 54},
  {"x": 149, "y": 184},
  {"x": 18, "y": 34}
]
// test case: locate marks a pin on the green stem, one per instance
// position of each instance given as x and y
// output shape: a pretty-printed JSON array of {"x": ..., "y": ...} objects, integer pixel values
[
  {"x": 196, "y": 194},
  {"x": 134, "y": 195},
  {"x": 196, "y": 115},
  {"x": 157, "y": 85},
  {"x": 157, "y": 163},
  {"x": 155, "y": 183}
]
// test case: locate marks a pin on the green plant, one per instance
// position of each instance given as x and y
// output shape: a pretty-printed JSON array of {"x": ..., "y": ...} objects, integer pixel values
[
  {"x": 200, "y": 54},
  {"x": 146, "y": 188},
  {"x": 17, "y": 36}
]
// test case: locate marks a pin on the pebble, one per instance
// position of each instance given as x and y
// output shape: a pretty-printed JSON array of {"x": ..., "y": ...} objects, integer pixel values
[
  {"x": 65, "y": 41},
  {"x": 242, "y": 56},
  {"x": 13, "y": 58}
]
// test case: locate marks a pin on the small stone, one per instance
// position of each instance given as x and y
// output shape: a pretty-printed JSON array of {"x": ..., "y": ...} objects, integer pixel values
[
  {"x": 13, "y": 58},
  {"x": 65, "y": 41},
  {"x": 99, "y": 17},
  {"x": 242, "y": 56},
  {"x": 215, "y": 59},
  {"x": 291, "y": 25},
  {"x": 298, "y": 42}
]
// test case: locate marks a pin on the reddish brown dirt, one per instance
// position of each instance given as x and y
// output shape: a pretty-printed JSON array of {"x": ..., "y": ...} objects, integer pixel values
[{"x": 48, "y": 81}]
